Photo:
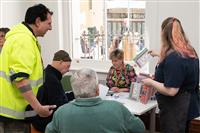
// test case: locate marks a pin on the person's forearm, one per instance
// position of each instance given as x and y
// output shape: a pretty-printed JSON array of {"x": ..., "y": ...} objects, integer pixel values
[
  {"x": 123, "y": 90},
  {"x": 26, "y": 90},
  {"x": 154, "y": 54},
  {"x": 27, "y": 93},
  {"x": 41, "y": 110},
  {"x": 163, "y": 90},
  {"x": 32, "y": 100}
]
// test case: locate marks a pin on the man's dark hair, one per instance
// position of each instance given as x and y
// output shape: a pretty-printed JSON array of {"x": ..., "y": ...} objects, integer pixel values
[
  {"x": 36, "y": 11},
  {"x": 62, "y": 55},
  {"x": 4, "y": 30}
]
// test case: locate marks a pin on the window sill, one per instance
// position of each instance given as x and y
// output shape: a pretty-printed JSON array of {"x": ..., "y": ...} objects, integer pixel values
[{"x": 100, "y": 66}]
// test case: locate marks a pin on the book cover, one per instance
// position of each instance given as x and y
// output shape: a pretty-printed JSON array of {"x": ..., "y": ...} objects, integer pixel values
[
  {"x": 145, "y": 94},
  {"x": 135, "y": 90},
  {"x": 142, "y": 58}
]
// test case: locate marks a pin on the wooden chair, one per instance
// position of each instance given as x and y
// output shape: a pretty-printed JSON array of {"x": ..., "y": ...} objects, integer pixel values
[
  {"x": 67, "y": 87},
  {"x": 66, "y": 83},
  {"x": 33, "y": 130}
]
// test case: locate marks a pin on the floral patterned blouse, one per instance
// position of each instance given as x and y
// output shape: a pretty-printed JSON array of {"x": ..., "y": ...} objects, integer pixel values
[{"x": 121, "y": 78}]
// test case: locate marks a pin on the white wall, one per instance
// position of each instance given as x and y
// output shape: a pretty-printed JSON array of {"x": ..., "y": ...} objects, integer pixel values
[
  {"x": 12, "y": 12},
  {"x": 61, "y": 35},
  {"x": 186, "y": 11}
]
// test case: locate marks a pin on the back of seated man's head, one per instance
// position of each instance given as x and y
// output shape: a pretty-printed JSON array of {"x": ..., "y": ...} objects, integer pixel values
[{"x": 85, "y": 83}]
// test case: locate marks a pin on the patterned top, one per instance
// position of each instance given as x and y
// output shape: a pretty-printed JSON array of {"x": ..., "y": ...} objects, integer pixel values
[{"x": 121, "y": 78}]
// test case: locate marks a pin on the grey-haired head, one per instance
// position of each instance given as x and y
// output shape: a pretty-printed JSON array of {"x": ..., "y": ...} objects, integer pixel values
[{"x": 84, "y": 83}]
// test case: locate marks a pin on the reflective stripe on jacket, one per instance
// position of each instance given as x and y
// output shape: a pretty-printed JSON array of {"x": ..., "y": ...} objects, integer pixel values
[{"x": 21, "y": 54}]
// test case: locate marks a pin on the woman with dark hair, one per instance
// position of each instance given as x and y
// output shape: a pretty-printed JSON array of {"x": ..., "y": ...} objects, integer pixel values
[
  {"x": 3, "y": 32},
  {"x": 176, "y": 79}
]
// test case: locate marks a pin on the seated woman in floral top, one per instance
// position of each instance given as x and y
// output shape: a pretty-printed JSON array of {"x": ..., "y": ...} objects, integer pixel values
[{"x": 120, "y": 75}]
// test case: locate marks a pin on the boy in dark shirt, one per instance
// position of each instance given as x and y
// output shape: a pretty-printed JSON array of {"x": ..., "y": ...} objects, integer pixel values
[{"x": 51, "y": 92}]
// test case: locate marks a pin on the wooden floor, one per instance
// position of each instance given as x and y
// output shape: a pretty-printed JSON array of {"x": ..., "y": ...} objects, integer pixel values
[
  {"x": 194, "y": 125},
  {"x": 33, "y": 130}
]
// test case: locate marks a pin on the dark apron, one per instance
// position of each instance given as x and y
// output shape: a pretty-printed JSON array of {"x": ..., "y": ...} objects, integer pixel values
[
  {"x": 173, "y": 112},
  {"x": 194, "y": 108}
]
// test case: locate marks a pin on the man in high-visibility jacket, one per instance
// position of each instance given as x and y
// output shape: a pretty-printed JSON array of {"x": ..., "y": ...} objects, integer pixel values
[{"x": 21, "y": 71}]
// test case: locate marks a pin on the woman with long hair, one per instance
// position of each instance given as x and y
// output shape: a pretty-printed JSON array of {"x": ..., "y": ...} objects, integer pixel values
[{"x": 176, "y": 79}]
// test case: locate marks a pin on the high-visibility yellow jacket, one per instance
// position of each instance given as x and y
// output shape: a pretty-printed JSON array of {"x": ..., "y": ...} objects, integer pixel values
[{"x": 20, "y": 56}]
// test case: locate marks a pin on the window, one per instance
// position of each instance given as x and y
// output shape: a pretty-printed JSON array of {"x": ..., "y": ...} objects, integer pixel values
[{"x": 101, "y": 26}]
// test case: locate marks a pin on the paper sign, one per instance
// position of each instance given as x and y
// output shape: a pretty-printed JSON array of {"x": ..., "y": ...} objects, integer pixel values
[{"x": 103, "y": 90}]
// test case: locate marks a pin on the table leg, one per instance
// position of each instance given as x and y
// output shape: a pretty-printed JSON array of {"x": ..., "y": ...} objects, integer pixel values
[{"x": 152, "y": 121}]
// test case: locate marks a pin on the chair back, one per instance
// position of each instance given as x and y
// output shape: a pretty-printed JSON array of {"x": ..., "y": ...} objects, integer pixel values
[{"x": 66, "y": 83}]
